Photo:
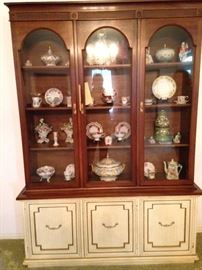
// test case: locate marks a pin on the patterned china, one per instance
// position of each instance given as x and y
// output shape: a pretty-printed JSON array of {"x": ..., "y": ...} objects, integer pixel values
[
  {"x": 53, "y": 97},
  {"x": 108, "y": 169},
  {"x": 43, "y": 130},
  {"x": 165, "y": 54},
  {"x": 149, "y": 170},
  {"x": 49, "y": 59},
  {"x": 164, "y": 87},
  {"x": 45, "y": 172},
  {"x": 94, "y": 131},
  {"x": 122, "y": 131},
  {"x": 172, "y": 169},
  {"x": 69, "y": 172}
]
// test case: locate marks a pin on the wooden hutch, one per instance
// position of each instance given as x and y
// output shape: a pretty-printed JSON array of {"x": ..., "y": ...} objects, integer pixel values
[{"x": 108, "y": 94}]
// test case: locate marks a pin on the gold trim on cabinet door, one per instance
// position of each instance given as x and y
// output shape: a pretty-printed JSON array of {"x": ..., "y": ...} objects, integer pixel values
[{"x": 81, "y": 107}]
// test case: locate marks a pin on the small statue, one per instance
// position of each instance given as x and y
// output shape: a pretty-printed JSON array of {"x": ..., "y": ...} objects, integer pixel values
[
  {"x": 151, "y": 140},
  {"x": 172, "y": 169},
  {"x": 177, "y": 137},
  {"x": 68, "y": 129},
  {"x": 43, "y": 130},
  {"x": 28, "y": 63},
  {"x": 149, "y": 59},
  {"x": 185, "y": 54}
]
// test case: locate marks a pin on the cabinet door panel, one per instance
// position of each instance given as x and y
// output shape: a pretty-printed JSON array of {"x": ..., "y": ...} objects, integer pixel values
[
  {"x": 108, "y": 97},
  {"x": 54, "y": 230},
  {"x": 45, "y": 55},
  {"x": 110, "y": 228},
  {"x": 166, "y": 226},
  {"x": 167, "y": 100}
]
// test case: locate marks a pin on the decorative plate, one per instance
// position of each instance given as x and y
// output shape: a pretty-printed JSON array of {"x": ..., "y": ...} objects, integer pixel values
[
  {"x": 149, "y": 169},
  {"x": 94, "y": 131},
  {"x": 164, "y": 87},
  {"x": 122, "y": 131},
  {"x": 53, "y": 97},
  {"x": 70, "y": 170}
]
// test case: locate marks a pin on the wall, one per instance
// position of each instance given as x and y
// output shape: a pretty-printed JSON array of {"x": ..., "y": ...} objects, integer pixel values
[{"x": 11, "y": 166}]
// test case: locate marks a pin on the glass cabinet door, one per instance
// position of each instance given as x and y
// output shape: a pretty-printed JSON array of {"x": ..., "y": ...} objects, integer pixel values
[
  {"x": 48, "y": 103},
  {"x": 168, "y": 102},
  {"x": 106, "y": 93}
]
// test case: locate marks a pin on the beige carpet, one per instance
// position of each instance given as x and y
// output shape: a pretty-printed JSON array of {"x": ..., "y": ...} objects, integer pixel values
[{"x": 12, "y": 255}]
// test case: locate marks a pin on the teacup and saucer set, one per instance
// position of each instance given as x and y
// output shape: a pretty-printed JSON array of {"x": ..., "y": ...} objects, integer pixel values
[{"x": 182, "y": 100}]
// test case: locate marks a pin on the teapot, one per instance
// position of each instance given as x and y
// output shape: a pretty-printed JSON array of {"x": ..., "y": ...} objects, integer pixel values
[{"x": 172, "y": 169}]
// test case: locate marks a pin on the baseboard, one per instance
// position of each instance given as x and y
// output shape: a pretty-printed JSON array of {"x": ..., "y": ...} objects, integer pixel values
[
  {"x": 11, "y": 236},
  {"x": 199, "y": 229}
]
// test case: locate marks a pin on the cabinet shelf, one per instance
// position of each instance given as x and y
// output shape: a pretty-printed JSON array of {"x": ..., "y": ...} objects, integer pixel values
[
  {"x": 56, "y": 180},
  {"x": 176, "y": 65},
  {"x": 115, "y": 66},
  {"x": 103, "y": 147},
  {"x": 107, "y": 107},
  {"x": 167, "y": 105},
  {"x": 46, "y": 69},
  {"x": 48, "y": 108},
  {"x": 49, "y": 147},
  {"x": 166, "y": 145}
]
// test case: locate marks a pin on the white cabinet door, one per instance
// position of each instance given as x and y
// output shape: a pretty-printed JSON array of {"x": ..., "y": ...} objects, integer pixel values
[
  {"x": 109, "y": 227},
  {"x": 54, "y": 229},
  {"x": 166, "y": 226}
]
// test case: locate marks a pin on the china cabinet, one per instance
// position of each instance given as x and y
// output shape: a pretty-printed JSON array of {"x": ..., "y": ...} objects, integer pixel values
[{"x": 107, "y": 96}]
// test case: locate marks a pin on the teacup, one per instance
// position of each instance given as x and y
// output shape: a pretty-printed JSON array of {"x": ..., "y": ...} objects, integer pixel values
[
  {"x": 182, "y": 99},
  {"x": 36, "y": 102},
  {"x": 125, "y": 100},
  {"x": 67, "y": 175}
]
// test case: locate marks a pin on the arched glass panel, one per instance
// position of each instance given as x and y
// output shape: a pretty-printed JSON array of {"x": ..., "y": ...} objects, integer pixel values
[
  {"x": 47, "y": 100},
  {"x": 169, "y": 61},
  {"x": 107, "y": 91}
]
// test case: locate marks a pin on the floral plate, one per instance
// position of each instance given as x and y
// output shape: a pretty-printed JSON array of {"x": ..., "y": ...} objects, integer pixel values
[
  {"x": 164, "y": 87},
  {"x": 53, "y": 97},
  {"x": 122, "y": 131},
  {"x": 94, "y": 131}
]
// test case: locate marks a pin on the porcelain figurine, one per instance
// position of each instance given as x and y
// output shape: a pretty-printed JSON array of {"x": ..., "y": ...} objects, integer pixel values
[
  {"x": 149, "y": 59},
  {"x": 185, "y": 54},
  {"x": 68, "y": 129},
  {"x": 43, "y": 130},
  {"x": 151, "y": 140},
  {"x": 162, "y": 130},
  {"x": 108, "y": 169},
  {"x": 172, "y": 169},
  {"x": 177, "y": 138},
  {"x": 28, "y": 63},
  {"x": 49, "y": 59}
]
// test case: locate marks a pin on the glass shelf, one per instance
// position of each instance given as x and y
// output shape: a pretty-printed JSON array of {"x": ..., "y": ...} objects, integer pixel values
[
  {"x": 168, "y": 105},
  {"x": 114, "y": 66},
  {"x": 176, "y": 65},
  {"x": 105, "y": 107},
  {"x": 45, "y": 69},
  {"x": 166, "y": 145},
  {"x": 48, "y": 108}
]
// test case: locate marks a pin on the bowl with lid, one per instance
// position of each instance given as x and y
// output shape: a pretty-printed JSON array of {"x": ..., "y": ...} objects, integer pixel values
[{"x": 108, "y": 169}]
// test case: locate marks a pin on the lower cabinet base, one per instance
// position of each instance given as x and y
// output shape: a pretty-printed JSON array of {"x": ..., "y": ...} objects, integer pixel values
[
  {"x": 112, "y": 261},
  {"x": 110, "y": 231}
]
